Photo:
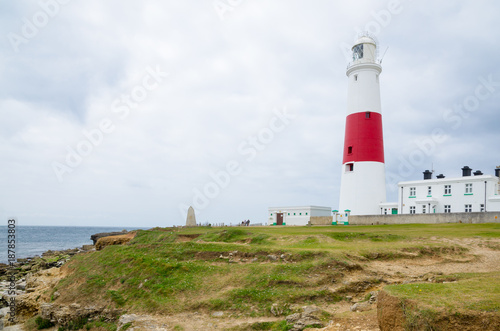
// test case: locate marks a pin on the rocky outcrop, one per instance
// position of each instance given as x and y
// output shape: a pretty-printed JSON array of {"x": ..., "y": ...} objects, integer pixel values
[
  {"x": 97, "y": 236},
  {"x": 309, "y": 317},
  {"x": 114, "y": 240},
  {"x": 63, "y": 315}
]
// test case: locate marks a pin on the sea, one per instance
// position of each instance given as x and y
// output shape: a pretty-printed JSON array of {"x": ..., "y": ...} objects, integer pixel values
[{"x": 34, "y": 240}]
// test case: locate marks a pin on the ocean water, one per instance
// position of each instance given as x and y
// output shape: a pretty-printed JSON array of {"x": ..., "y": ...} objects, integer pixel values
[{"x": 34, "y": 240}]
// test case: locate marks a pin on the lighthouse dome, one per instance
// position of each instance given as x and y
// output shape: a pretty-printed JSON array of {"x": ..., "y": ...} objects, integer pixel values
[{"x": 365, "y": 40}]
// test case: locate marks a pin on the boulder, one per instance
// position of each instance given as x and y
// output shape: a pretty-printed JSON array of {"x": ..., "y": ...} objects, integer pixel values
[{"x": 362, "y": 306}]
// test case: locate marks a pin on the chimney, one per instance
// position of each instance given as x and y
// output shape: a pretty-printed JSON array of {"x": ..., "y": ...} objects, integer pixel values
[
  {"x": 477, "y": 173},
  {"x": 497, "y": 172},
  {"x": 466, "y": 171},
  {"x": 427, "y": 174},
  {"x": 440, "y": 176}
]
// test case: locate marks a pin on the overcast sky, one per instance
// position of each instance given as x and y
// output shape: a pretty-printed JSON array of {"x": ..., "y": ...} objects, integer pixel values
[{"x": 124, "y": 113}]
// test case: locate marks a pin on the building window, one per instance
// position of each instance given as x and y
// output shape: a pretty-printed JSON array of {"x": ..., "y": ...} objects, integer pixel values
[
  {"x": 413, "y": 191},
  {"x": 355, "y": 78},
  {"x": 429, "y": 191},
  {"x": 424, "y": 209},
  {"x": 468, "y": 189},
  {"x": 412, "y": 209},
  {"x": 468, "y": 208},
  {"x": 349, "y": 167},
  {"x": 447, "y": 208},
  {"x": 368, "y": 114},
  {"x": 482, "y": 207},
  {"x": 349, "y": 150},
  {"x": 447, "y": 190}
]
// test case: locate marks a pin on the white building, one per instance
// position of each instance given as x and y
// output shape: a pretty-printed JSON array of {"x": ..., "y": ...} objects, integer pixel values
[
  {"x": 295, "y": 215},
  {"x": 362, "y": 187},
  {"x": 478, "y": 193}
]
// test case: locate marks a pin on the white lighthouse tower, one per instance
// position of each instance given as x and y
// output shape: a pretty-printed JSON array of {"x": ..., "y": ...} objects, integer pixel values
[{"x": 362, "y": 186}]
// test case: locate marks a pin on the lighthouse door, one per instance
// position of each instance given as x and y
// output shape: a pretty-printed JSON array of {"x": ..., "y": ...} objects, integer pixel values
[{"x": 279, "y": 219}]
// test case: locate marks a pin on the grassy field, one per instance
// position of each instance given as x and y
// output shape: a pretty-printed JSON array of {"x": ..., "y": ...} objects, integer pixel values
[{"x": 246, "y": 269}]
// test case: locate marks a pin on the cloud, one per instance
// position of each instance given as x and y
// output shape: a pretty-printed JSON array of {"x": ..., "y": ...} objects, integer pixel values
[{"x": 226, "y": 78}]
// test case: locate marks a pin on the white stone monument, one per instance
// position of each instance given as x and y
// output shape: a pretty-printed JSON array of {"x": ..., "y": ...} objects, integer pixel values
[{"x": 190, "y": 219}]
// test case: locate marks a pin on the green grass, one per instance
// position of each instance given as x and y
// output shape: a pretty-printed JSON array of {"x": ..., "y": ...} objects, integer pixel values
[
  {"x": 472, "y": 291},
  {"x": 181, "y": 269}
]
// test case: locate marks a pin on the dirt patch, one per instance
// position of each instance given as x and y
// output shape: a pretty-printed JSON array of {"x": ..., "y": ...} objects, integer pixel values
[
  {"x": 390, "y": 313},
  {"x": 186, "y": 237}
]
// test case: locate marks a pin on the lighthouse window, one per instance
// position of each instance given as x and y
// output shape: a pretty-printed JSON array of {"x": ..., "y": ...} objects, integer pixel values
[
  {"x": 367, "y": 114},
  {"x": 355, "y": 78},
  {"x": 357, "y": 52},
  {"x": 349, "y": 150},
  {"x": 349, "y": 167}
]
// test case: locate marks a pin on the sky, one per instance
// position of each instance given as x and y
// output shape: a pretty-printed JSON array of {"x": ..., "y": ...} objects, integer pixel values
[{"x": 125, "y": 113}]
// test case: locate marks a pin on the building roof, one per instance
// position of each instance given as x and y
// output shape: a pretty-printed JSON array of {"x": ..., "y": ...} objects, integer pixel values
[{"x": 451, "y": 179}]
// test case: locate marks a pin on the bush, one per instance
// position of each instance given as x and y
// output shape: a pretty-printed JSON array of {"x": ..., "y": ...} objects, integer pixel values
[{"x": 42, "y": 323}]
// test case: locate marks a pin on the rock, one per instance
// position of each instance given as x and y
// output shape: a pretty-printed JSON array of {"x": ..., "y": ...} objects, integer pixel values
[
  {"x": 272, "y": 257},
  {"x": 310, "y": 310},
  {"x": 56, "y": 295},
  {"x": 308, "y": 318},
  {"x": 307, "y": 321},
  {"x": 362, "y": 306},
  {"x": 291, "y": 319},
  {"x": 373, "y": 296},
  {"x": 124, "y": 319},
  {"x": 88, "y": 247},
  {"x": 4, "y": 312},
  {"x": 217, "y": 314}
]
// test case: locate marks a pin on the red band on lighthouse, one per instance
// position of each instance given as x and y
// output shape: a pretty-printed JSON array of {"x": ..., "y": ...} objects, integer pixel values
[{"x": 364, "y": 138}]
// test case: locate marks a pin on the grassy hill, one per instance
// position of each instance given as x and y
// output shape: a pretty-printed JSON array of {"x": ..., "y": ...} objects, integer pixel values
[{"x": 245, "y": 270}]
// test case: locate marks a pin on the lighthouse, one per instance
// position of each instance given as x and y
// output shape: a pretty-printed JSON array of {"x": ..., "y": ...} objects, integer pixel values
[{"x": 362, "y": 187}]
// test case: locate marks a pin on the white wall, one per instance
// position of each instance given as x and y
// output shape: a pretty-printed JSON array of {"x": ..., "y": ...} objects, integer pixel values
[
  {"x": 363, "y": 189},
  {"x": 458, "y": 198},
  {"x": 297, "y": 215}
]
